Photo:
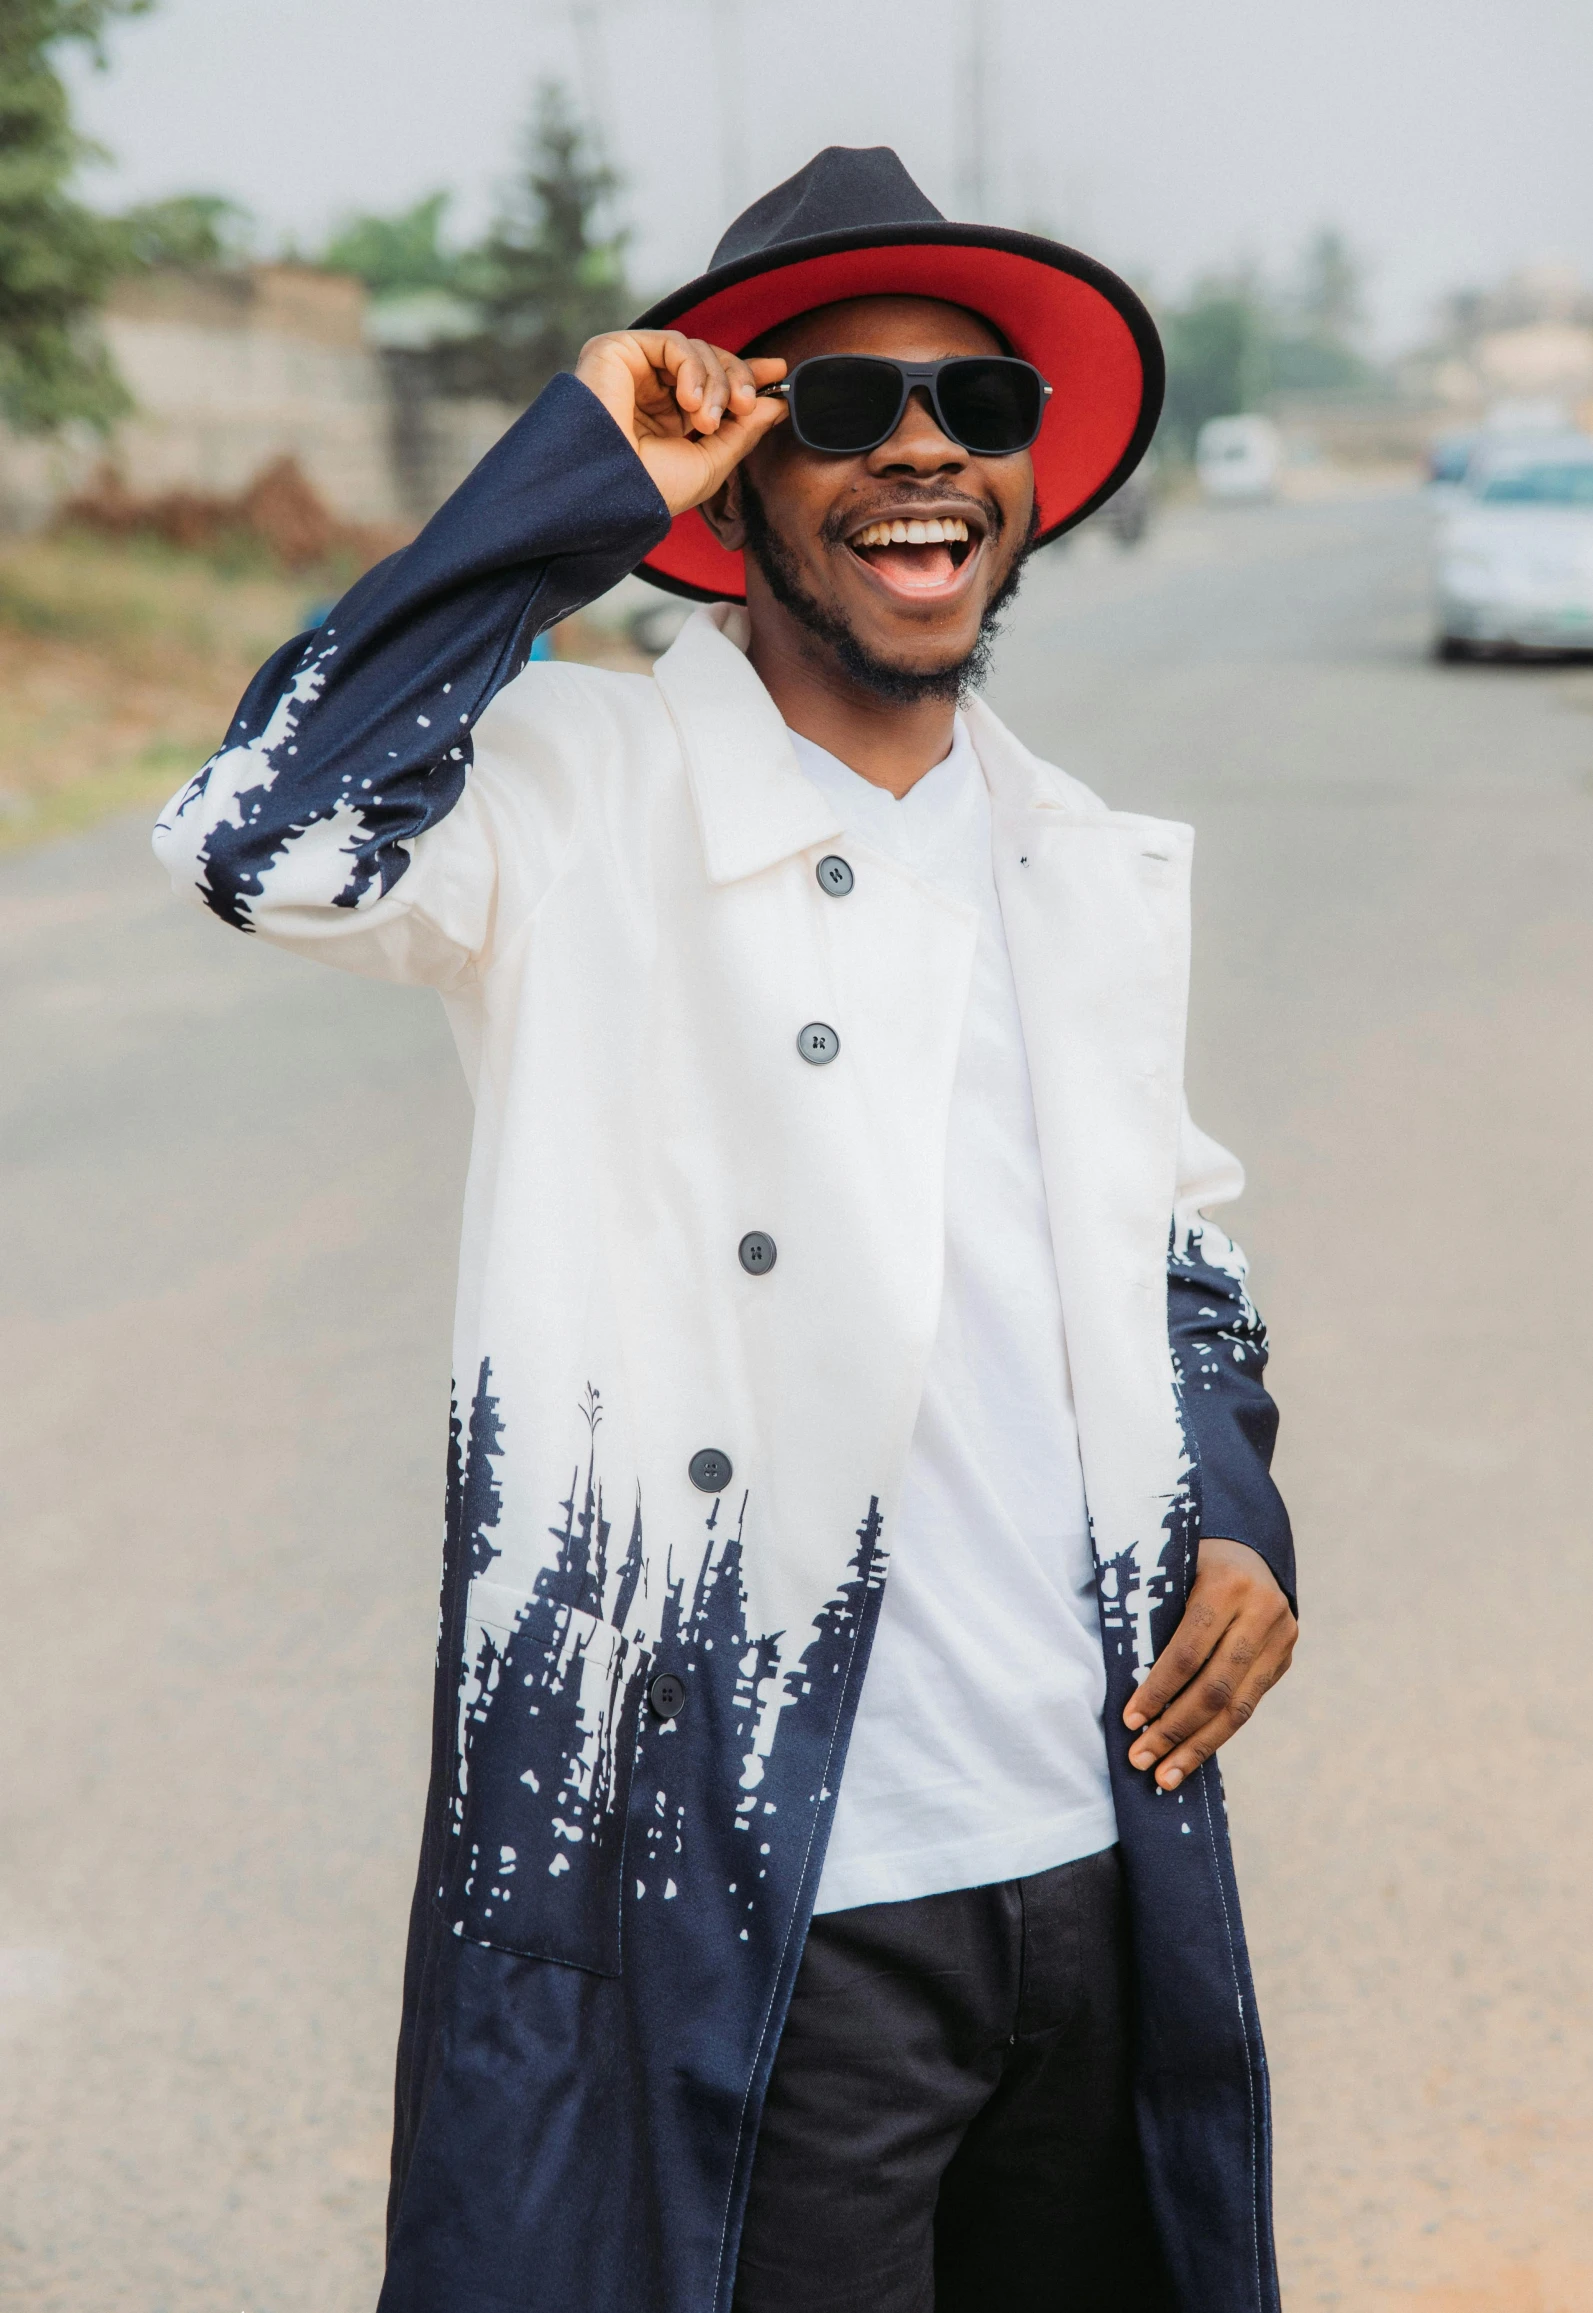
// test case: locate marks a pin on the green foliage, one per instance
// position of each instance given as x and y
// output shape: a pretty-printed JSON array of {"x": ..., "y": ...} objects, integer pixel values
[
  {"x": 1234, "y": 341},
  {"x": 548, "y": 274},
  {"x": 56, "y": 257},
  {"x": 192, "y": 229},
  {"x": 546, "y": 278},
  {"x": 1328, "y": 295},
  {"x": 1219, "y": 357},
  {"x": 393, "y": 254}
]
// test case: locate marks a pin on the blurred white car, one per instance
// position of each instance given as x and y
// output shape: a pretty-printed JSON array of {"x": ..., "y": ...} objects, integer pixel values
[
  {"x": 1448, "y": 457},
  {"x": 1515, "y": 550},
  {"x": 1238, "y": 457}
]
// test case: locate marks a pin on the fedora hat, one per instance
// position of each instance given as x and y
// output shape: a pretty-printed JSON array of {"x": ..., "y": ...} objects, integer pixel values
[{"x": 854, "y": 224}]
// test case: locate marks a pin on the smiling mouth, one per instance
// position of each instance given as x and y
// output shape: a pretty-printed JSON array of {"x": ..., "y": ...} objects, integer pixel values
[{"x": 915, "y": 556}]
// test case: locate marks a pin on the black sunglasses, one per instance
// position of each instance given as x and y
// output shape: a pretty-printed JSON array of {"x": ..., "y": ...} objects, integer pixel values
[{"x": 847, "y": 403}]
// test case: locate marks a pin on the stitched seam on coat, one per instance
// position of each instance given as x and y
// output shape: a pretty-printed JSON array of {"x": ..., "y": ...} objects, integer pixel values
[
  {"x": 763, "y": 2032},
  {"x": 1250, "y": 2082}
]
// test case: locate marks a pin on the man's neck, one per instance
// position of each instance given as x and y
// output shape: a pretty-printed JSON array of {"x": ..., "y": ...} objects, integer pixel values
[{"x": 889, "y": 742}]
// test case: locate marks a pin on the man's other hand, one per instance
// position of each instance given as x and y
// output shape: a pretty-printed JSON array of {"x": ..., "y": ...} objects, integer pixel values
[
  {"x": 689, "y": 410},
  {"x": 1235, "y": 1640}
]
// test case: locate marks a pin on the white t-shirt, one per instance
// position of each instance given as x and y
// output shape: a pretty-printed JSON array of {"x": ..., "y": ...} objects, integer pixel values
[{"x": 978, "y": 1753}]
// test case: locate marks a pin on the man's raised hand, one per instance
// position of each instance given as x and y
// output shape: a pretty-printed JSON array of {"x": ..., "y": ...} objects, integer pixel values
[
  {"x": 1233, "y": 1643},
  {"x": 689, "y": 410}
]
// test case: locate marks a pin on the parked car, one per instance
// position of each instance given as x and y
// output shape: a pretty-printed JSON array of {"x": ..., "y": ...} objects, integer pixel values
[
  {"x": 1238, "y": 457},
  {"x": 1515, "y": 554},
  {"x": 1449, "y": 457}
]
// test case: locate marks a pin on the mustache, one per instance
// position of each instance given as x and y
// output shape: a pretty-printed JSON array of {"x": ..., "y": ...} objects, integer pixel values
[{"x": 838, "y": 526}]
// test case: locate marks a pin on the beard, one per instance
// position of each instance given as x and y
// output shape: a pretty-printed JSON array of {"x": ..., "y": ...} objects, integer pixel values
[{"x": 883, "y": 678}]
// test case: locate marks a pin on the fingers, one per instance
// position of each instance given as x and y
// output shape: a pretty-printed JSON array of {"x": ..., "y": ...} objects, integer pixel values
[
  {"x": 1184, "y": 1738},
  {"x": 733, "y": 436},
  {"x": 711, "y": 385},
  {"x": 1235, "y": 1641},
  {"x": 703, "y": 381},
  {"x": 690, "y": 409},
  {"x": 1191, "y": 1645},
  {"x": 1213, "y": 1709}
]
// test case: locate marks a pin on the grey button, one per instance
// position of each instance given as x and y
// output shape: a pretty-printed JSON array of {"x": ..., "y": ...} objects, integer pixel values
[
  {"x": 709, "y": 1471},
  {"x": 757, "y": 1253},
  {"x": 667, "y": 1695},
  {"x": 818, "y": 1043},
  {"x": 835, "y": 876}
]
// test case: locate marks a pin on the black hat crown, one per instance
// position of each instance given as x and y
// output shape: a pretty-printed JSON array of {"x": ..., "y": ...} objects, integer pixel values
[{"x": 841, "y": 189}]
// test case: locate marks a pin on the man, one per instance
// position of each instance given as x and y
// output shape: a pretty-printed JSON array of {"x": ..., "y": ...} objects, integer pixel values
[{"x": 832, "y": 1237}]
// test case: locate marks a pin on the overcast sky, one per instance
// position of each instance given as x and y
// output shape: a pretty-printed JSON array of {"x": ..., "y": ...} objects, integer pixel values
[{"x": 1451, "y": 139}]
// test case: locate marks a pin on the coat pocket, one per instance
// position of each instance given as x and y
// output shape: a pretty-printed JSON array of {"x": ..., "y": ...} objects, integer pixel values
[{"x": 549, "y": 1711}]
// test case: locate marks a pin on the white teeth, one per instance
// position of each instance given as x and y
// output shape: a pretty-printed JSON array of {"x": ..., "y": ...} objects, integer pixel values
[{"x": 952, "y": 530}]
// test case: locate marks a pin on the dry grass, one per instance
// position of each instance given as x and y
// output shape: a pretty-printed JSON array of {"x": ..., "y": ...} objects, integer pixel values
[
  {"x": 120, "y": 666},
  {"x": 121, "y": 663}
]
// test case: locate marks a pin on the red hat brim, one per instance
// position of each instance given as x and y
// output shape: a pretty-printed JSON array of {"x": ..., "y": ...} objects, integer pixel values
[{"x": 1084, "y": 329}]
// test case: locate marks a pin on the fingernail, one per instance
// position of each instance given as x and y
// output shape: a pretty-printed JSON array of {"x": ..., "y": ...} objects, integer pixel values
[
  {"x": 1171, "y": 1780},
  {"x": 1133, "y": 1721},
  {"x": 1143, "y": 1757}
]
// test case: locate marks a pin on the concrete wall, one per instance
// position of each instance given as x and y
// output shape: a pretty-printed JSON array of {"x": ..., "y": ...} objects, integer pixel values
[
  {"x": 437, "y": 437},
  {"x": 230, "y": 371},
  {"x": 233, "y": 370},
  {"x": 36, "y": 475}
]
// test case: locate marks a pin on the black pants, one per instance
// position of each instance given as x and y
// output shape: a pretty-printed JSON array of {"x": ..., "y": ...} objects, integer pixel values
[{"x": 949, "y": 2126}]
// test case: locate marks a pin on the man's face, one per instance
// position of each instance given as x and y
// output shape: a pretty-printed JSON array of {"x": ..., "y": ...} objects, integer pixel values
[{"x": 915, "y": 611}]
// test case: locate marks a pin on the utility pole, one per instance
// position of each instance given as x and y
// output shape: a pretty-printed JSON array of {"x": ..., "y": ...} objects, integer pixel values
[
  {"x": 730, "y": 76},
  {"x": 586, "y": 18},
  {"x": 597, "y": 97},
  {"x": 975, "y": 171}
]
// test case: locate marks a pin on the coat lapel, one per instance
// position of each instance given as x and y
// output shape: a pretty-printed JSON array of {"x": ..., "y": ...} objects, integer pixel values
[{"x": 1096, "y": 910}]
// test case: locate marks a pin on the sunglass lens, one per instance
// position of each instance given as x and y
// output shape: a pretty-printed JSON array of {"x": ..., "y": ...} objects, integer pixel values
[
  {"x": 992, "y": 406},
  {"x": 845, "y": 401}
]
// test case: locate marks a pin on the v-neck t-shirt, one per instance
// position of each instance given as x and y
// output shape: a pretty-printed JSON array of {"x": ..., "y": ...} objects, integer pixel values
[{"x": 978, "y": 1752}]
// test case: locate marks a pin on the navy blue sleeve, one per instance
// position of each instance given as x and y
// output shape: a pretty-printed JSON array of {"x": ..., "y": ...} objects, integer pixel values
[
  {"x": 353, "y": 739},
  {"x": 1219, "y": 1349}
]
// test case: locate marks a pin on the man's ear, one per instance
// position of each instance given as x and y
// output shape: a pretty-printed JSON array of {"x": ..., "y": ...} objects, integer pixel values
[{"x": 723, "y": 515}]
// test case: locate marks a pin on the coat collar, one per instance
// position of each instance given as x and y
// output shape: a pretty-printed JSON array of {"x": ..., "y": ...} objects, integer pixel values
[
  {"x": 754, "y": 807},
  {"x": 1019, "y": 781}
]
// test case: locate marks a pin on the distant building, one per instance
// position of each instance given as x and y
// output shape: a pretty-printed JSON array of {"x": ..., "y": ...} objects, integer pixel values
[{"x": 1528, "y": 339}]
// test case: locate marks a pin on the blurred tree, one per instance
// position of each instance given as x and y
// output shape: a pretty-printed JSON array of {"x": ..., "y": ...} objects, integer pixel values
[
  {"x": 1314, "y": 348},
  {"x": 56, "y": 257},
  {"x": 1234, "y": 341},
  {"x": 547, "y": 277},
  {"x": 1219, "y": 347},
  {"x": 391, "y": 254},
  {"x": 193, "y": 229},
  {"x": 1329, "y": 288}
]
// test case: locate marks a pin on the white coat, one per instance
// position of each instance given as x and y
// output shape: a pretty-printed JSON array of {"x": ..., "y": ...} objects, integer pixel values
[{"x": 618, "y": 899}]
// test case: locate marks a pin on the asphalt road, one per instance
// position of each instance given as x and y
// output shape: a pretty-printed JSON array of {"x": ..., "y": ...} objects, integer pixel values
[{"x": 228, "y": 1187}]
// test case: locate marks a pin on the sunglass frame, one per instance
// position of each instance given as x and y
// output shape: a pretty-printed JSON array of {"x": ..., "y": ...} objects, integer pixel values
[{"x": 911, "y": 375}]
